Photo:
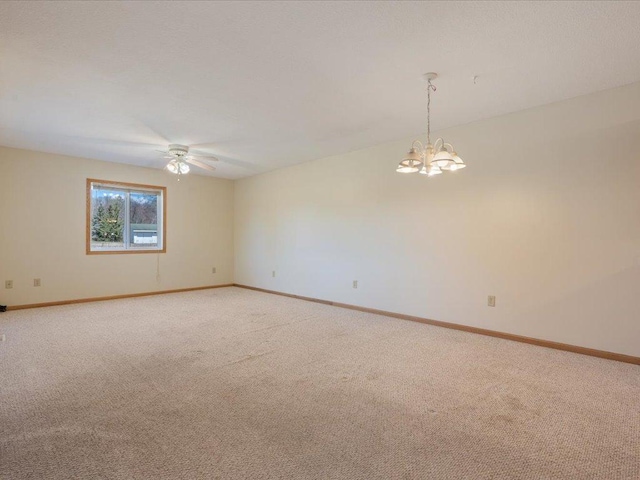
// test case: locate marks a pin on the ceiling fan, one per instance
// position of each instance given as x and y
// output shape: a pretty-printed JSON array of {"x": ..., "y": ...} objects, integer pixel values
[{"x": 179, "y": 159}]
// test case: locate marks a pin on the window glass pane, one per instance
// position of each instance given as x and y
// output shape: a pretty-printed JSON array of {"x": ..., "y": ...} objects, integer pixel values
[
  {"x": 107, "y": 218},
  {"x": 143, "y": 220},
  {"x": 125, "y": 217}
]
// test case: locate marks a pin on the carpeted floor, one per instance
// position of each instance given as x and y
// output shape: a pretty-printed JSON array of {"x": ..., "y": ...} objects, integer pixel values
[{"x": 232, "y": 384}]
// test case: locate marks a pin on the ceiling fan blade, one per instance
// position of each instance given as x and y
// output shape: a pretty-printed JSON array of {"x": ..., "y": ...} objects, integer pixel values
[
  {"x": 211, "y": 158},
  {"x": 201, "y": 165},
  {"x": 205, "y": 160},
  {"x": 108, "y": 142},
  {"x": 198, "y": 153}
]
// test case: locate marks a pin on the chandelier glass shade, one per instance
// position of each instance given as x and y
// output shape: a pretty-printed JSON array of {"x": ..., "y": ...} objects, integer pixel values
[
  {"x": 411, "y": 163},
  {"x": 430, "y": 159}
]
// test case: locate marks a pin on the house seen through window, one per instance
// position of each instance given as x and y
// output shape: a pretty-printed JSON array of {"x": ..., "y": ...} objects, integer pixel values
[{"x": 125, "y": 217}]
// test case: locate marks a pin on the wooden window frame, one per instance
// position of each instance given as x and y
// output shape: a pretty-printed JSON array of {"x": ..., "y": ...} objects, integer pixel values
[{"x": 130, "y": 186}]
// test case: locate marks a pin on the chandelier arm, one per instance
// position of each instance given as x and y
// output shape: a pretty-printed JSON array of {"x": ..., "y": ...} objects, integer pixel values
[
  {"x": 435, "y": 144},
  {"x": 451, "y": 149},
  {"x": 413, "y": 145}
]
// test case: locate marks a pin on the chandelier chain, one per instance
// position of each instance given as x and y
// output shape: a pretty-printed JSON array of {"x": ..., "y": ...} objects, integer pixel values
[{"x": 430, "y": 87}]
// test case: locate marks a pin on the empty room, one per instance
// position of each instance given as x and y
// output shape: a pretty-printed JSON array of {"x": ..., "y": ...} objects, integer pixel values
[{"x": 319, "y": 240}]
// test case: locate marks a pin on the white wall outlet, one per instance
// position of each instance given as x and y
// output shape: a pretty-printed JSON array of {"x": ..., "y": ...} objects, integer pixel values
[
  {"x": 491, "y": 300},
  {"x": 8, "y": 284},
  {"x": 36, "y": 282},
  {"x": 2, "y": 337},
  {"x": 213, "y": 270},
  {"x": 273, "y": 273},
  {"x": 355, "y": 284}
]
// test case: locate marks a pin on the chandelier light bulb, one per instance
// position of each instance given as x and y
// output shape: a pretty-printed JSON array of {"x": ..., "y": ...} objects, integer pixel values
[
  {"x": 434, "y": 170},
  {"x": 443, "y": 158},
  {"x": 409, "y": 166}
]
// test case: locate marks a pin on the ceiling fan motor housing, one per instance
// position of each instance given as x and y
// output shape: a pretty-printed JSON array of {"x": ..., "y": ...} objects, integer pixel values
[{"x": 178, "y": 150}]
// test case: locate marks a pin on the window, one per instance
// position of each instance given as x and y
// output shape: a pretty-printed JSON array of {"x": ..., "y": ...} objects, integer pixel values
[{"x": 125, "y": 217}]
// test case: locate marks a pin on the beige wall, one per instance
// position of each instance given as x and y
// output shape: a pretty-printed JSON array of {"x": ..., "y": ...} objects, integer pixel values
[
  {"x": 546, "y": 217},
  {"x": 42, "y": 231}
]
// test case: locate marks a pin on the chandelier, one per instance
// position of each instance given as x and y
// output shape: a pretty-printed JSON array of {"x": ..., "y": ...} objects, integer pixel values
[{"x": 430, "y": 159}]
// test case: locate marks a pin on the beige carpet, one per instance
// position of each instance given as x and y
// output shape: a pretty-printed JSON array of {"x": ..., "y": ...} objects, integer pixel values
[{"x": 231, "y": 383}]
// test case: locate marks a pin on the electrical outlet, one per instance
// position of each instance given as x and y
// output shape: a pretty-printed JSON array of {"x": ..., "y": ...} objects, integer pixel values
[
  {"x": 2, "y": 337},
  {"x": 8, "y": 284},
  {"x": 213, "y": 270},
  {"x": 273, "y": 273},
  {"x": 36, "y": 282},
  {"x": 355, "y": 284},
  {"x": 491, "y": 300}
]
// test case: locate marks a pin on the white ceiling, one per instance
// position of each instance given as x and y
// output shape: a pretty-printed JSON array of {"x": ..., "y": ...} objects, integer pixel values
[{"x": 263, "y": 85}]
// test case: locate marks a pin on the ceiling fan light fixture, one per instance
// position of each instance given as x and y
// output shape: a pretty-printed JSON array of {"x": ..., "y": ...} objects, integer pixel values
[
  {"x": 172, "y": 166},
  {"x": 178, "y": 167},
  {"x": 177, "y": 150},
  {"x": 180, "y": 160}
]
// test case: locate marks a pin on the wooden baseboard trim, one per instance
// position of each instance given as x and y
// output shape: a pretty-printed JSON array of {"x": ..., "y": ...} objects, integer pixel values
[
  {"x": 619, "y": 357},
  {"x": 113, "y": 297}
]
